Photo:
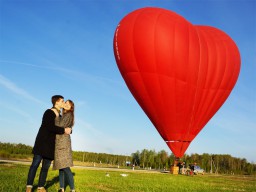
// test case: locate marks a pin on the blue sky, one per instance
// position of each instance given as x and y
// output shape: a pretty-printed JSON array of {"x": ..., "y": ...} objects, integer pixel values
[{"x": 66, "y": 47}]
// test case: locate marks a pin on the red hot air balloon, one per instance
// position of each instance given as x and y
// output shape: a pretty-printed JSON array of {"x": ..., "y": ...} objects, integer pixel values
[{"x": 179, "y": 73}]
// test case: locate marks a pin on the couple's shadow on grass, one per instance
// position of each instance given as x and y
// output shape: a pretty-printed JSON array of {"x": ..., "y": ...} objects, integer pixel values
[{"x": 51, "y": 183}]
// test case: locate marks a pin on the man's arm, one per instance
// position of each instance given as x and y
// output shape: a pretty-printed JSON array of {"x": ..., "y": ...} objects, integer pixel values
[{"x": 49, "y": 120}]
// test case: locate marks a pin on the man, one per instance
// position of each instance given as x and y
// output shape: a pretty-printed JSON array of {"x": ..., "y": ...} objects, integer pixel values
[{"x": 43, "y": 149}]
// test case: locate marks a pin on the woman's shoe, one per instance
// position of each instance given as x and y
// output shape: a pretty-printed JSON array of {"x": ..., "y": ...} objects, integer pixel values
[
  {"x": 28, "y": 189},
  {"x": 61, "y": 190}
]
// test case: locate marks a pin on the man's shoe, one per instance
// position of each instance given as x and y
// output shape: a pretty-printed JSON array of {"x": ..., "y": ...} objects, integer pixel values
[{"x": 41, "y": 189}]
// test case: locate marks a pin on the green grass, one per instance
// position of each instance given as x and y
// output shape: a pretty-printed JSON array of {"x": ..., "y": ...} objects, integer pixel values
[{"x": 13, "y": 179}]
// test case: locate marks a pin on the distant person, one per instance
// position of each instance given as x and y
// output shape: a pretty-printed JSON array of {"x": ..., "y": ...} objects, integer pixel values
[
  {"x": 63, "y": 151},
  {"x": 183, "y": 167},
  {"x": 192, "y": 168},
  {"x": 180, "y": 166},
  {"x": 43, "y": 149}
]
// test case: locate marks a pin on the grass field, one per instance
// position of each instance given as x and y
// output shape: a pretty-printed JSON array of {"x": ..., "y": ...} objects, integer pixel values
[{"x": 13, "y": 179}]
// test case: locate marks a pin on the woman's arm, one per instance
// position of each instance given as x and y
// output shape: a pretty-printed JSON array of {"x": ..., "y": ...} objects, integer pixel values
[{"x": 66, "y": 120}]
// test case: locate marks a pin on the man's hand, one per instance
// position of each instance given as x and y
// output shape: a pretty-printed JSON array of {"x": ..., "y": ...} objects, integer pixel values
[{"x": 68, "y": 130}]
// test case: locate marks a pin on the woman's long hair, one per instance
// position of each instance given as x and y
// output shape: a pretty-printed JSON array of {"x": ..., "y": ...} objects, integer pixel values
[{"x": 71, "y": 110}]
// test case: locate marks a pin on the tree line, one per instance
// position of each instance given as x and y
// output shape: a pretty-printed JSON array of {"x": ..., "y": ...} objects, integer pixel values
[
  {"x": 146, "y": 159},
  {"x": 101, "y": 158},
  {"x": 12, "y": 151},
  {"x": 214, "y": 163}
]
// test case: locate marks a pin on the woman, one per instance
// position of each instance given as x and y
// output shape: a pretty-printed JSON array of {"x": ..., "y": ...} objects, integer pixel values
[{"x": 63, "y": 152}]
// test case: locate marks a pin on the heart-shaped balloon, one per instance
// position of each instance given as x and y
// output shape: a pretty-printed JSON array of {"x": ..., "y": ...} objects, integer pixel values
[{"x": 179, "y": 73}]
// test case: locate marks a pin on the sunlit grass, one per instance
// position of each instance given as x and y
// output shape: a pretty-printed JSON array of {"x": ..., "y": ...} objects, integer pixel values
[{"x": 13, "y": 178}]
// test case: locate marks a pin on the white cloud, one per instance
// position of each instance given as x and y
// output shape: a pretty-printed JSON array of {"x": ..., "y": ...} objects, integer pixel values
[
  {"x": 87, "y": 138},
  {"x": 21, "y": 112},
  {"x": 107, "y": 84},
  {"x": 15, "y": 89}
]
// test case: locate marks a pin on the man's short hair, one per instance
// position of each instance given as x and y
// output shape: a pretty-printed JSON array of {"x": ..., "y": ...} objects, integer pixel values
[{"x": 56, "y": 98}]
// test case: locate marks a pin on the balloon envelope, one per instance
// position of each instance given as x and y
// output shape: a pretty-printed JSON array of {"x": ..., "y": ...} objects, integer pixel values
[{"x": 180, "y": 74}]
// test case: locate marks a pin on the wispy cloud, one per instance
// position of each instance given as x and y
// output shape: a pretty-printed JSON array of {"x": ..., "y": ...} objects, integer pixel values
[
  {"x": 68, "y": 71},
  {"x": 109, "y": 85},
  {"x": 18, "y": 111},
  {"x": 33, "y": 65},
  {"x": 17, "y": 90},
  {"x": 21, "y": 63},
  {"x": 89, "y": 128},
  {"x": 52, "y": 66},
  {"x": 93, "y": 139}
]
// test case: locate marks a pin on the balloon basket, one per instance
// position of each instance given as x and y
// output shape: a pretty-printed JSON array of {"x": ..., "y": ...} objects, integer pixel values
[{"x": 174, "y": 170}]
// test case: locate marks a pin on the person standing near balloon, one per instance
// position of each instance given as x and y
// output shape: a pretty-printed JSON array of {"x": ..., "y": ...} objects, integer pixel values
[
  {"x": 63, "y": 151},
  {"x": 43, "y": 149},
  {"x": 183, "y": 167}
]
